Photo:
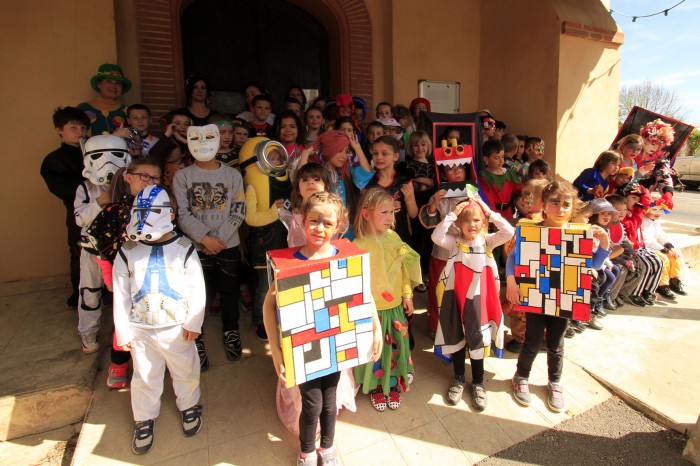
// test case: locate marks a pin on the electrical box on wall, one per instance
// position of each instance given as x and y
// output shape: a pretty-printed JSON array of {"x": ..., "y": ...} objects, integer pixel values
[{"x": 443, "y": 95}]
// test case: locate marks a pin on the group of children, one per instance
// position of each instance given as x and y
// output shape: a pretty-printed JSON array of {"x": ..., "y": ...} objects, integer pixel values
[{"x": 174, "y": 254}]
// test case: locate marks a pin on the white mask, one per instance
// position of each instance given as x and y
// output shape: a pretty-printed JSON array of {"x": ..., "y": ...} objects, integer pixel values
[
  {"x": 103, "y": 155},
  {"x": 203, "y": 142},
  {"x": 151, "y": 215}
]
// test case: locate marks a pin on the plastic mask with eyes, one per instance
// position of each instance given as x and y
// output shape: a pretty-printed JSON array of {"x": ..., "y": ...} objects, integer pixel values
[
  {"x": 103, "y": 156},
  {"x": 151, "y": 215},
  {"x": 203, "y": 142}
]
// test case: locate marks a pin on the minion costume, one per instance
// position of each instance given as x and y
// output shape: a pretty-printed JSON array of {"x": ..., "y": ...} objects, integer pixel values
[{"x": 263, "y": 163}]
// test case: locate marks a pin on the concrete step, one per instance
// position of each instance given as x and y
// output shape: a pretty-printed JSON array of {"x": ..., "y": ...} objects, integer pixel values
[{"x": 47, "y": 380}]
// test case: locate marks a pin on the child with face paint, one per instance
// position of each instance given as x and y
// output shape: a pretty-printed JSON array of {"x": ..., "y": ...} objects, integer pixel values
[
  {"x": 159, "y": 298},
  {"x": 528, "y": 205},
  {"x": 108, "y": 232},
  {"x": 534, "y": 149},
  {"x": 310, "y": 179},
  {"x": 488, "y": 127},
  {"x": 346, "y": 179},
  {"x": 592, "y": 183},
  {"x": 103, "y": 156},
  {"x": 395, "y": 271},
  {"x": 211, "y": 208},
  {"x": 655, "y": 239},
  {"x": 470, "y": 293},
  {"x": 323, "y": 213},
  {"x": 558, "y": 198}
]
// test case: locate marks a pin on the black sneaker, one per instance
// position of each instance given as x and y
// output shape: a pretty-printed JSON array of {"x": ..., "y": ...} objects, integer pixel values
[
  {"x": 677, "y": 286},
  {"x": 143, "y": 437},
  {"x": 666, "y": 292},
  {"x": 619, "y": 301},
  {"x": 514, "y": 346},
  {"x": 636, "y": 300},
  {"x": 260, "y": 332},
  {"x": 648, "y": 298},
  {"x": 570, "y": 332},
  {"x": 201, "y": 351},
  {"x": 232, "y": 345},
  {"x": 191, "y": 420}
]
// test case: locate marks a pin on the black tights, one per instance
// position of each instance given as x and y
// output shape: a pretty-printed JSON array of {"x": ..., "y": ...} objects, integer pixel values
[
  {"x": 477, "y": 366},
  {"x": 318, "y": 402}
]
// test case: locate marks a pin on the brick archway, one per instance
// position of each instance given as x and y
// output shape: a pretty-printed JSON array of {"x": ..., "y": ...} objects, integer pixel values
[{"x": 160, "y": 49}]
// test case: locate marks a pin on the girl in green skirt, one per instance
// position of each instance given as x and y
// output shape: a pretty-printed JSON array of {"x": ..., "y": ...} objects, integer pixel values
[{"x": 395, "y": 271}]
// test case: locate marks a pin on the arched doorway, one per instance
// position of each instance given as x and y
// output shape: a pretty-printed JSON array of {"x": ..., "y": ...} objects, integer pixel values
[
  {"x": 161, "y": 65},
  {"x": 271, "y": 42}
]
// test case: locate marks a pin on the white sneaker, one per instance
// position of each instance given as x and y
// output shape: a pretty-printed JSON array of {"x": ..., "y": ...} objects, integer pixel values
[{"x": 89, "y": 342}]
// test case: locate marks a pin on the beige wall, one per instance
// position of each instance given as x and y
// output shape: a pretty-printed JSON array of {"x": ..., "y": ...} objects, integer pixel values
[
  {"x": 436, "y": 40},
  {"x": 519, "y": 69},
  {"x": 49, "y": 50},
  {"x": 587, "y": 103},
  {"x": 518, "y": 64}
]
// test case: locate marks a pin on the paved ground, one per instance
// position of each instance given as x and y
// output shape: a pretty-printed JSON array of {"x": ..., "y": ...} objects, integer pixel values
[
  {"x": 648, "y": 355},
  {"x": 611, "y": 433}
]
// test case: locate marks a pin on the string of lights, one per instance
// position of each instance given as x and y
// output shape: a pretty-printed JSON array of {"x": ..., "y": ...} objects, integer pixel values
[{"x": 635, "y": 17}]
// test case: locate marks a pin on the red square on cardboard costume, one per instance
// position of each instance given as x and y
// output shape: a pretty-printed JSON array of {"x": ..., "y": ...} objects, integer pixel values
[
  {"x": 561, "y": 285},
  {"x": 324, "y": 311}
]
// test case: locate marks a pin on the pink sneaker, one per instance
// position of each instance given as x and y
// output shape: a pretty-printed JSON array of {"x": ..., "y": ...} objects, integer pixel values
[{"x": 116, "y": 376}]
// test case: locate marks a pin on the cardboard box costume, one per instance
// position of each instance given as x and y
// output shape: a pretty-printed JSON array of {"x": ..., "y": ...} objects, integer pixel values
[
  {"x": 324, "y": 310},
  {"x": 553, "y": 270}
]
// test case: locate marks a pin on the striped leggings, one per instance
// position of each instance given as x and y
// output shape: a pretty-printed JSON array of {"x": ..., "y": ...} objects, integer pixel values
[{"x": 654, "y": 266}]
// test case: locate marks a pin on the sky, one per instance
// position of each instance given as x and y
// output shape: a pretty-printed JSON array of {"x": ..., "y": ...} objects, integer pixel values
[{"x": 662, "y": 49}]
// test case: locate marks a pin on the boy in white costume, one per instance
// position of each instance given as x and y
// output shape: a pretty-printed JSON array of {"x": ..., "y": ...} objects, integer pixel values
[
  {"x": 159, "y": 299},
  {"x": 103, "y": 156}
]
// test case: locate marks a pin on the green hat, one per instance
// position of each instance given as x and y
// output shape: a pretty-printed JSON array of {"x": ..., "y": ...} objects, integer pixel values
[{"x": 109, "y": 71}]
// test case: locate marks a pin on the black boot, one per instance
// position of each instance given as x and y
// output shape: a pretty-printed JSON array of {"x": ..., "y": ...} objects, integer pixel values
[
  {"x": 598, "y": 308},
  {"x": 609, "y": 303},
  {"x": 676, "y": 286},
  {"x": 666, "y": 292}
]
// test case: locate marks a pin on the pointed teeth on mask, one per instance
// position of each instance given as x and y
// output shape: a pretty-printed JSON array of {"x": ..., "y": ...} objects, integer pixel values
[{"x": 454, "y": 163}]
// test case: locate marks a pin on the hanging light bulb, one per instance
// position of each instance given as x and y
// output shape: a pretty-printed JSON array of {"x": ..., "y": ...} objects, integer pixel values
[{"x": 634, "y": 19}]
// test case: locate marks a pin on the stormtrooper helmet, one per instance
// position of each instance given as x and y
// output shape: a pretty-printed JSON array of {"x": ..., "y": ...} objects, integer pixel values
[
  {"x": 103, "y": 156},
  {"x": 150, "y": 215},
  {"x": 203, "y": 141}
]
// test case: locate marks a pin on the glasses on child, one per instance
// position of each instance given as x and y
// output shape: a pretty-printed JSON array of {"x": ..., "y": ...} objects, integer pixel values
[{"x": 145, "y": 177}]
